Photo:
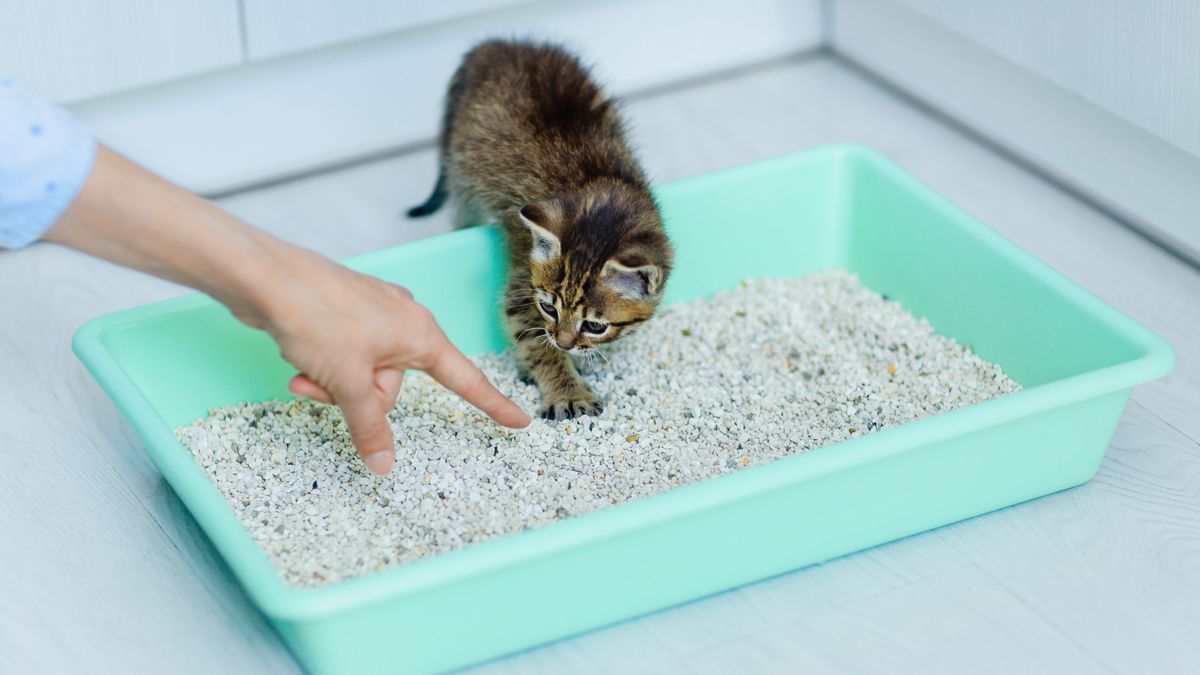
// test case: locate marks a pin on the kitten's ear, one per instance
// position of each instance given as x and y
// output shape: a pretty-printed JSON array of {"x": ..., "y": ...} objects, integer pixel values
[
  {"x": 637, "y": 283},
  {"x": 536, "y": 217}
]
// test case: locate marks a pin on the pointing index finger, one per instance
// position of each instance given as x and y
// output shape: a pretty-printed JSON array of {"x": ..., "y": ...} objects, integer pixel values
[{"x": 456, "y": 372}]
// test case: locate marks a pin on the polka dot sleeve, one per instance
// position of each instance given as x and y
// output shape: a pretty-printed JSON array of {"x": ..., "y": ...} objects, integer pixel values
[{"x": 45, "y": 157}]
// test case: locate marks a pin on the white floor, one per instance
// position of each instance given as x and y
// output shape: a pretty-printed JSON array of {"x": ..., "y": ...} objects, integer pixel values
[{"x": 101, "y": 569}]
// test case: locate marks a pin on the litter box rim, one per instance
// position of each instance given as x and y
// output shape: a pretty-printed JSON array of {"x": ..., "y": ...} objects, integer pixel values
[{"x": 282, "y": 601}]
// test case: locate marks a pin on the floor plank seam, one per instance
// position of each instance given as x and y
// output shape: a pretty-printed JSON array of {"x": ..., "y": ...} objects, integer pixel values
[
  {"x": 1149, "y": 411},
  {"x": 1034, "y": 610}
]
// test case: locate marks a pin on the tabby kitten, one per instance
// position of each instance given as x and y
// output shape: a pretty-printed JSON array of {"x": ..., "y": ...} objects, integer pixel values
[{"x": 529, "y": 140}]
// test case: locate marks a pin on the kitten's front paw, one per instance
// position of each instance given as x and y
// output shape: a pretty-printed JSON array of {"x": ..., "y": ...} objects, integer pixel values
[{"x": 577, "y": 403}]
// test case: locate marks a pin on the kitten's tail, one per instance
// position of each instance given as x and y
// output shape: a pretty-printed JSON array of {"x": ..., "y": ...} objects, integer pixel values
[
  {"x": 453, "y": 93},
  {"x": 435, "y": 200}
]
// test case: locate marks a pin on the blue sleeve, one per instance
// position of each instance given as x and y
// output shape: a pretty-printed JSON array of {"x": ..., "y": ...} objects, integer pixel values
[{"x": 45, "y": 158}]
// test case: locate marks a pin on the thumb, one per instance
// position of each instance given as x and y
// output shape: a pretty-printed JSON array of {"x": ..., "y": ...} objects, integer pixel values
[
  {"x": 303, "y": 385},
  {"x": 369, "y": 430}
]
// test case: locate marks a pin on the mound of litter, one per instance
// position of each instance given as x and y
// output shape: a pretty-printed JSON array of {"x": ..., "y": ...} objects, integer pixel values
[{"x": 769, "y": 369}]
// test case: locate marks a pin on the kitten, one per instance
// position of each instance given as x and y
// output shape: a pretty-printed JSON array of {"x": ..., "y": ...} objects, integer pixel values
[{"x": 530, "y": 140}]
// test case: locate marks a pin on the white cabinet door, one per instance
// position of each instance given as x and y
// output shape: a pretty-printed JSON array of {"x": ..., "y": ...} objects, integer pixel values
[
  {"x": 69, "y": 50},
  {"x": 277, "y": 27}
]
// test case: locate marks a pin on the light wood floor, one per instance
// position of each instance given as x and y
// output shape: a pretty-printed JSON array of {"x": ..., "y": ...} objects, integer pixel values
[{"x": 102, "y": 570}]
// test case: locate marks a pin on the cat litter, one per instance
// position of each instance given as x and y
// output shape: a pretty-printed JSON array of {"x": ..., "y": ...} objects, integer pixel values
[{"x": 769, "y": 369}]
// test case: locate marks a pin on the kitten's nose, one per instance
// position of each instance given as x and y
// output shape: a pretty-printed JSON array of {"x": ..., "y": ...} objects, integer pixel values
[{"x": 565, "y": 340}]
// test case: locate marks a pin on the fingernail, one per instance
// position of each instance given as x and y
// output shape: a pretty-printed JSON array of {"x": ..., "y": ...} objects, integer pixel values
[{"x": 380, "y": 462}]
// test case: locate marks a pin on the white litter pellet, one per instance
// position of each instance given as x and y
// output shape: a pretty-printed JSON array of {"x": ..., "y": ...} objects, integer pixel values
[{"x": 771, "y": 368}]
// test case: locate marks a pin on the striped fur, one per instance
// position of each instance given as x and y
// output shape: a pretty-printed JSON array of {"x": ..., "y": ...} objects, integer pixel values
[{"x": 531, "y": 141}]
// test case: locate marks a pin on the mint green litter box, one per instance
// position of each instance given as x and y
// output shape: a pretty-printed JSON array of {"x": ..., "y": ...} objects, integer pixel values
[{"x": 166, "y": 364}]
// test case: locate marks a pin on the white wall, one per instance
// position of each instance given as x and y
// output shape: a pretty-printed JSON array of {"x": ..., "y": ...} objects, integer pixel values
[
  {"x": 1103, "y": 95},
  {"x": 1147, "y": 181},
  {"x": 70, "y": 50},
  {"x": 278, "y": 116},
  {"x": 1139, "y": 59},
  {"x": 281, "y": 27}
]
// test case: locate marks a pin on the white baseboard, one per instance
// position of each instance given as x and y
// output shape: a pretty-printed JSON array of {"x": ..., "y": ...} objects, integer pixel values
[
  {"x": 267, "y": 120},
  {"x": 1149, "y": 183}
]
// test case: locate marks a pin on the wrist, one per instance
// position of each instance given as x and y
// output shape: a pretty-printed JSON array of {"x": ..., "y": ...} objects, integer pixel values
[{"x": 253, "y": 277}]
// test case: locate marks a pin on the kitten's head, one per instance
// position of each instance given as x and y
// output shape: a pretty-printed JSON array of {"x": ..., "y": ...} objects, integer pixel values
[{"x": 598, "y": 261}]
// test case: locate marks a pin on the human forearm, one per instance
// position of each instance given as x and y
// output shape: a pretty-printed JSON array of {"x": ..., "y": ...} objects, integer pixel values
[
  {"x": 352, "y": 336},
  {"x": 129, "y": 216}
]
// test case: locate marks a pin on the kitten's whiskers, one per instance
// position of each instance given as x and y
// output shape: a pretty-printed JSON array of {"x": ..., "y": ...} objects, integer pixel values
[{"x": 530, "y": 330}]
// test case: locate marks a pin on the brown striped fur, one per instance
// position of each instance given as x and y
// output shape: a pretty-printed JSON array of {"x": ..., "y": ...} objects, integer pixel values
[{"x": 530, "y": 140}]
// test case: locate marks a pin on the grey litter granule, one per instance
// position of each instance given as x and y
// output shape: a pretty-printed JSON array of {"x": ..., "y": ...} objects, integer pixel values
[{"x": 771, "y": 368}]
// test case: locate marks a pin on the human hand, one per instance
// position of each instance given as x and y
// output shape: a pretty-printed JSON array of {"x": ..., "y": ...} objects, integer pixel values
[{"x": 352, "y": 336}]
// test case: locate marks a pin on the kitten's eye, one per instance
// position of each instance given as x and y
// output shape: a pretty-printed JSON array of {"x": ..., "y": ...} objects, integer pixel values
[
  {"x": 549, "y": 310},
  {"x": 594, "y": 327}
]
